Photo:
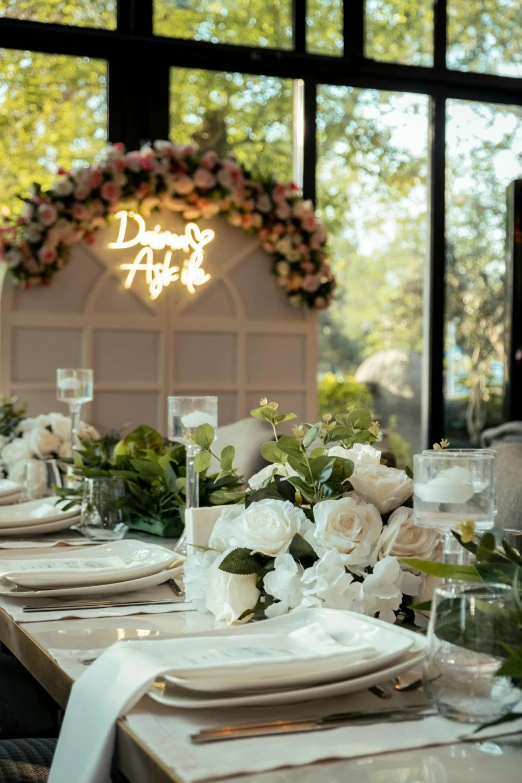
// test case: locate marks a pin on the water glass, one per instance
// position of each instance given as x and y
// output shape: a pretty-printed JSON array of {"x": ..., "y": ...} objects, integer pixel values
[
  {"x": 101, "y": 518},
  {"x": 187, "y": 413},
  {"x": 469, "y": 624},
  {"x": 39, "y": 478}
]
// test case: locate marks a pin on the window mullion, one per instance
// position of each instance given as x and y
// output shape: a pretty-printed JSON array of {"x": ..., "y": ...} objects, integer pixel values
[
  {"x": 353, "y": 28},
  {"x": 440, "y": 33},
  {"x": 310, "y": 139},
  {"x": 299, "y": 25}
]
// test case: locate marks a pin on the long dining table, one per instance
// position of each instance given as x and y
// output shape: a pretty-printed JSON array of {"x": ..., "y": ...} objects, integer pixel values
[{"x": 142, "y": 741}]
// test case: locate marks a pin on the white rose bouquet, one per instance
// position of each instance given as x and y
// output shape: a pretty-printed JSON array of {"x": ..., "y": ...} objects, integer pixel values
[{"x": 326, "y": 523}]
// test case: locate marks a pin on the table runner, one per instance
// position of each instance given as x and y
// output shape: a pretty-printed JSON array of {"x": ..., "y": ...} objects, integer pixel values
[{"x": 123, "y": 675}]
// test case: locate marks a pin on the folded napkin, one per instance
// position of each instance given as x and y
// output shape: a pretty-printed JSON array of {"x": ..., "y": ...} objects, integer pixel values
[
  {"x": 14, "y": 606},
  {"x": 124, "y": 673}
]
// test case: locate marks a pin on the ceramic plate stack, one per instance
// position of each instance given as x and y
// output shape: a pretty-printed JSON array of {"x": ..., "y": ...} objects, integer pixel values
[
  {"x": 112, "y": 568},
  {"x": 35, "y": 517},
  {"x": 9, "y": 492},
  {"x": 311, "y": 654}
]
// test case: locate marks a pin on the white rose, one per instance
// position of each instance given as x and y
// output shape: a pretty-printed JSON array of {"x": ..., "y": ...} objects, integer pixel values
[
  {"x": 16, "y": 451},
  {"x": 265, "y": 475},
  {"x": 351, "y": 528},
  {"x": 387, "y": 488},
  {"x": 284, "y": 584},
  {"x": 224, "y": 528},
  {"x": 328, "y": 584},
  {"x": 268, "y": 527},
  {"x": 195, "y": 577},
  {"x": 28, "y": 424},
  {"x": 382, "y": 589},
  {"x": 230, "y": 595},
  {"x": 60, "y": 425},
  {"x": 402, "y": 538},
  {"x": 63, "y": 187},
  {"x": 360, "y": 455},
  {"x": 42, "y": 442},
  {"x": 88, "y": 432},
  {"x": 65, "y": 449}
]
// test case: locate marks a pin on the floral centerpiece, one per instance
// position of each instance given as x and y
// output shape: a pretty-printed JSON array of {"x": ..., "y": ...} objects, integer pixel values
[
  {"x": 324, "y": 524},
  {"x": 185, "y": 180}
]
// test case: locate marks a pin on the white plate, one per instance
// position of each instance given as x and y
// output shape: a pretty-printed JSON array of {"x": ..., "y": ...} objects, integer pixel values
[
  {"x": 358, "y": 633},
  {"x": 45, "y": 527},
  {"x": 115, "y": 561},
  {"x": 10, "y": 500},
  {"x": 8, "y": 487},
  {"x": 333, "y": 619},
  {"x": 112, "y": 589},
  {"x": 34, "y": 512}
]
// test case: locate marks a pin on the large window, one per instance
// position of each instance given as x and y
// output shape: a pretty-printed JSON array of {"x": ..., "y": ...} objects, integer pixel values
[{"x": 401, "y": 119}]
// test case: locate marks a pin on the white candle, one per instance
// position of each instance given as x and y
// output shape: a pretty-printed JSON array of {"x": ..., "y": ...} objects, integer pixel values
[
  {"x": 450, "y": 486},
  {"x": 69, "y": 384},
  {"x": 195, "y": 418}
]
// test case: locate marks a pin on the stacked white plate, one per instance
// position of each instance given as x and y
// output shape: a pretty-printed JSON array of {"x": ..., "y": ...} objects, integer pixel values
[
  {"x": 310, "y": 654},
  {"x": 9, "y": 492},
  {"x": 115, "y": 567},
  {"x": 35, "y": 517}
]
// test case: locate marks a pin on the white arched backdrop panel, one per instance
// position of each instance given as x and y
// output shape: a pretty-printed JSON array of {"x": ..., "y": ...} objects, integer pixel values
[{"x": 236, "y": 337}]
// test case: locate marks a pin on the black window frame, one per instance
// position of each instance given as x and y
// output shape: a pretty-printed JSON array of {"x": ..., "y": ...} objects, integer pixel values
[{"x": 138, "y": 110}]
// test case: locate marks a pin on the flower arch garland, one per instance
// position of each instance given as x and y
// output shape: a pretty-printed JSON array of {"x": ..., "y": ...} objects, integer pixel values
[{"x": 185, "y": 180}]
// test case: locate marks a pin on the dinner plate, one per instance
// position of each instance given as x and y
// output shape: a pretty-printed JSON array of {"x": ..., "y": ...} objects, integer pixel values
[
  {"x": 44, "y": 527},
  {"x": 34, "y": 512},
  {"x": 115, "y": 561},
  {"x": 387, "y": 644},
  {"x": 331, "y": 619},
  {"x": 6, "y": 588},
  {"x": 10, "y": 500},
  {"x": 8, "y": 487}
]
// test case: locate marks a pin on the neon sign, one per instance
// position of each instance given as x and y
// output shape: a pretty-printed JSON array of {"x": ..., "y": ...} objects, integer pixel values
[{"x": 159, "y": 275}]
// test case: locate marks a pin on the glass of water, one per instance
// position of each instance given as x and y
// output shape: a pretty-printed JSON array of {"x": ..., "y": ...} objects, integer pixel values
[
  {"x": 469, "y": 625},
  {"x": 75, "y": 388},
  {"x": 101, "y": 516}
]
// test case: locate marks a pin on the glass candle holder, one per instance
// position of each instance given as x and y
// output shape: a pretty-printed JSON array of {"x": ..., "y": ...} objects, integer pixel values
[
  {"x": 453, "y": 487},
  {"x": 75, "y": 388},
  {"x": 185, "y": 414},
  {"x": 101, "y": 517},
  {"x": 469, "y": 625}
]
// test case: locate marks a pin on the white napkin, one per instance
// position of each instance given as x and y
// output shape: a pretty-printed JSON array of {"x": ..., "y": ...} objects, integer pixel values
[
  {"x": 14, "y": 606},
  {"x": 125, "y": 672}
]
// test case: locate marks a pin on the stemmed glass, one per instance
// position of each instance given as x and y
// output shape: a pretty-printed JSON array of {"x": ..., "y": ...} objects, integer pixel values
[
  {"x": 185, "y": 415},
  {"x": 74, "y": 387}
]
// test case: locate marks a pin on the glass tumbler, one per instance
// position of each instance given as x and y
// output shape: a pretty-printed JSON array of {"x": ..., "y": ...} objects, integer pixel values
[
  {"x": 469, "y": 624},
  {"x": 101, "y": 518}
]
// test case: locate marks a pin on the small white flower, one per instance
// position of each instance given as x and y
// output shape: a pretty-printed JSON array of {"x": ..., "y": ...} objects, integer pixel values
[
  {"x": 63, "y": 187},
  {"x": 283, "y": 268},
  {"x": 42, "y": 442},
  {"x": 16, "y": 451},
  {"x": 284, "y": 584},
  {"x": 387, "y": 488},
  {"x": 33, "y": 232},
  {"x": 195, "y": 578},
  {"x": 402, "y": 538},
  {"x": 349, "y": 527},
  {"x": 88, "y": 432},
  {"x": 224, "y": 528},
  {"x": 383, "y": 589},
  {"x": 328, "y": 584},
  {"x": 361, "y": 454},
  {"x": 60, "y": 425},
  {"x": 229, "y": 596},
  {"x": 13, "y": 257},
  {"x": 265, "y": 475},
  {"x": 267, "y": 527}
]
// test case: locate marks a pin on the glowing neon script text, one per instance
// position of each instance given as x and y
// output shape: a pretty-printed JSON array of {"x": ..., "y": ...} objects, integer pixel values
[{"x": 162, "y": 274}]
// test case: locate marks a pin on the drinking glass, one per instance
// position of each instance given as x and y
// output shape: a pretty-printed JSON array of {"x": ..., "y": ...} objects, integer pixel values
[
  {"x": 100, "y": 516},
  {"x": 185, "y": 414},
  {"x": 74, "y": 387},
  {"x": 469, "y": 624},
  {"x": 40, "y": 476},
  {"x": 451, "y": 487}
]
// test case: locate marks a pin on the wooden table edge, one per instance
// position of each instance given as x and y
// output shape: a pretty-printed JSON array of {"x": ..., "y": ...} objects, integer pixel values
[{"x": 132, "y": 756}]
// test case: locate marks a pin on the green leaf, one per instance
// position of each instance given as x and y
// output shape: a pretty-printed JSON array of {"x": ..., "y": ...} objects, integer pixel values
[
  {"x": 271, "y": 452},
  {"x": 312, "y": 434},
  {"x": 300, "y": 549},
  {"x": 317, "y": 452},
  {"x": 423, "y": 606},
  {"x": 227, "y": 458},
  {"x": 511, "y": 716},
  {"x": 303, "y": 487},
  {"x": 170, "y": 478},
  {"x": 408, "y": 471},
  {"x": 486, "y": 547},
  {"x": 146, "y": 467},
  {"x": 360, "y": 419},
  {"x": 241, "y": 561},
  {"x": 284, "y": 417},
  {"x": 299, "y": 464},
  {"x": 202, "y": 460},
  {"x": 204, "y": 436},
  {"x": 285, "y": 489},
  {"x": 269, "y": 492},
  {"x": 266, "y": 413},
  {"x": 322, "y": 468},
  {"x": 290, "y": 446},
  {"x": 444, "y": 570},
  {"x": 340, "y": 433}
]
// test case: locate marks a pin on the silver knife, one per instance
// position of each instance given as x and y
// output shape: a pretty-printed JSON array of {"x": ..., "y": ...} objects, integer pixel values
[
  {"x": 359, "y": 717},
  {"x": 99, "y": 605}
]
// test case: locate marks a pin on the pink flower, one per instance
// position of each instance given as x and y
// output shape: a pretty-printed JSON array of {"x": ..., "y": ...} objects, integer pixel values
[
  {"x": 47, "y": 254},
  {"x": 326, "y": 271},
  {"x": 97, "y": 207},
  {"x": 119, "y": 145},
  {"x": 278, "y": 193},
  {"x": 309, "y": 222},
  {"x": 268, "y": 246},
  {"x": 47, "y": 214},
  {"x": 110, "y": 192},
  {"x": 89, "y": 238},
  {"x": 82, "y": 192},
  {"x": 235, "y": 218},
  {"x": 249, "y": 205},
  {"x": 283, "y": 210},
  {"x": 321, "y": 303},
  {"x": 204, "y": 179},
  {"x": 80, "y": 212},
  {"x": 210, "y": 209},
  {"x": 31, "y": 265},
  {"x": 311, "y": 283},
  {"x": 248, "y": 221},
  {"x": 184, "y": 185},
  {"x": 209, "y": 159},
  {"x": 95, "y": 179},
  {"x": 225, "y": 179},
  {"x": 147, "y": 164},
  {"x": 307, "y": 266}
]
